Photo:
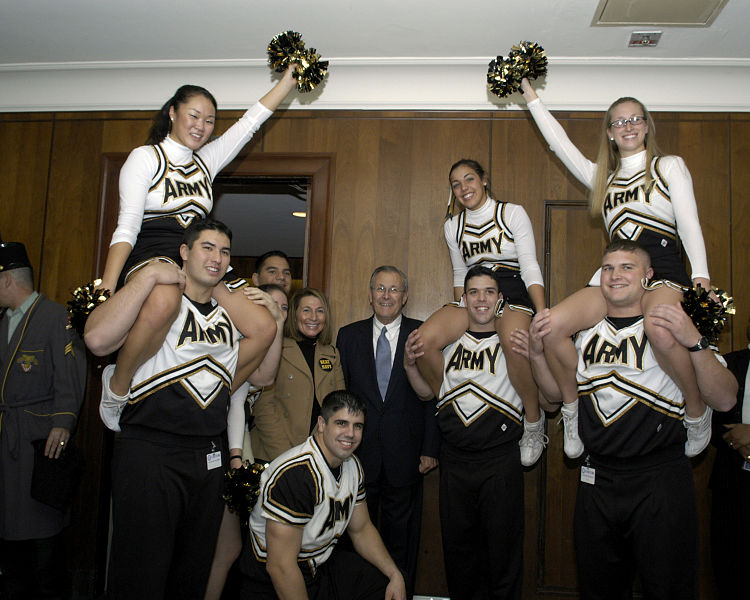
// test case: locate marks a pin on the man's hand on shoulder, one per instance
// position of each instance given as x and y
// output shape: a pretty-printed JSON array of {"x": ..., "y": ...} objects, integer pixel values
[
  {"x": 674, "y": 319},
  {"x": 163, "y": 273},
  {"x": 413, "y": 349}
]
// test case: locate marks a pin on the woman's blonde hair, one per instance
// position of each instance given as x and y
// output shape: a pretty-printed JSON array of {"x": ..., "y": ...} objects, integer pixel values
[
  {"x": 608, "y": 159},
  {"x": 290, "y": 327}
]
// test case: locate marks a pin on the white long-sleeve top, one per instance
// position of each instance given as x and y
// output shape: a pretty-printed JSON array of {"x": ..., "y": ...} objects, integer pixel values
[
  {"x": 146, "y": 191},
  {"x": 674, "y": 201},
  {"x": 236, "y": 415},
  {"x": 497, "y": 235}
]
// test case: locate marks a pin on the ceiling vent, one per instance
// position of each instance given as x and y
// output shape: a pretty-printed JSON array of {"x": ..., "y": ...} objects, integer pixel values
[{"x": 676, "y": 13}]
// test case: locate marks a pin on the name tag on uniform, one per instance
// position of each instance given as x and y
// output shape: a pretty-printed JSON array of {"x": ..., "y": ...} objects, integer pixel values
[
  {"x": 588, "y": 474},
  {"x": 213, "y": 460},
  {"x": 325, "y": 364}
]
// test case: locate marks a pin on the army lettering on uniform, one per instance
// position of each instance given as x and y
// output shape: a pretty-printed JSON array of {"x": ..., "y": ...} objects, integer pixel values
[
  {"x": 639, "y": 193},
  {"x": 221, "y": 333},
  {"x": 338, "y": 510},
  {"x": 469, "y": 249},
  {"x": 180, "y": 189},
  {"x": 601, "y": 351},
  {"x": 465, "y": 359}
]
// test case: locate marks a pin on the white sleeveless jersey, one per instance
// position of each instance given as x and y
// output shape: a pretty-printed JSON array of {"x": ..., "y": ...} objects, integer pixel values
[
  {"x": 299, "y": 489},
  {"x": 170, "y": 180},
  {"x": 498, "y": 235},
  {"x": 478, "y": 407},
  {"x": 631, "y": 207},
  {"x": 629, "y": 406},
  {"x": 184, "y": 388}
]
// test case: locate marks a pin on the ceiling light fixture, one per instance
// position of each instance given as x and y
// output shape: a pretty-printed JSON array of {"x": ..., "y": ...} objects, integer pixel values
[{"x": 644, "y": 39}]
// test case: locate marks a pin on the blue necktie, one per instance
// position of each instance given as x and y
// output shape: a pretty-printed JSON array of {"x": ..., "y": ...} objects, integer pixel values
[{"x": 383, "y": 363}]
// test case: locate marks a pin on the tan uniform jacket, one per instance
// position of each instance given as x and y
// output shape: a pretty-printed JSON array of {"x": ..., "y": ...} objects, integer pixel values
[{"x": 283, "y": 410}]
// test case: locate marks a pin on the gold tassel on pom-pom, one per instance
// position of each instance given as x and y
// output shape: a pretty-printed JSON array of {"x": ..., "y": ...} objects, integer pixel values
[
  {"x": 708, "y": 316},
  {"x": 287, "y": 48},
  {"x": 504, "y": 75},
  {"x": 85, "y": 299}
]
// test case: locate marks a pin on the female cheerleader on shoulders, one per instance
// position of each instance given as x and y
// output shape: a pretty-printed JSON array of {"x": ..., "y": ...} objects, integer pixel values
[
  {"x": 163, "y": 187},
  {"x": 647, "y": 197},
  {"x": 497, "y": 235}
]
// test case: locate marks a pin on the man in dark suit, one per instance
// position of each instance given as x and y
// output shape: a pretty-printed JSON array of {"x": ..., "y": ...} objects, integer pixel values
[
  {"x": 401, "y": 439},
  {"x": 730, "y": 483}
]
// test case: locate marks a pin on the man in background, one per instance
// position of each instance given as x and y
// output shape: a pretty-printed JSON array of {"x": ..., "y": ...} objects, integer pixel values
[
  {"x": 42, "y": 378},
  {"x": 401, "y": 441}
]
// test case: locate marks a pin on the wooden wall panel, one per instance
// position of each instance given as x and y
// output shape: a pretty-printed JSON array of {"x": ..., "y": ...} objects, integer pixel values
[
  {"x": 703, "y": 142},
  {"x": 72, "y": 207},
  {"x": 24, "y": 154},
  {"x": 389, "y": 195},
  {"x": 740, "y": 228}
]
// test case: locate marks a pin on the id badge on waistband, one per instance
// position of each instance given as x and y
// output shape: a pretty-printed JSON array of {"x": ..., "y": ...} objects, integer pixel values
[
  {"x": 213, "y": 458},
  {"x": 588, "y": 474}
]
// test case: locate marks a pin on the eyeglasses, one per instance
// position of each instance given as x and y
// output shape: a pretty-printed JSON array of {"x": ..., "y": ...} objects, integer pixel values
[
  {"x": 635, "y": 121},
  {"x": 393, "y": 289}
]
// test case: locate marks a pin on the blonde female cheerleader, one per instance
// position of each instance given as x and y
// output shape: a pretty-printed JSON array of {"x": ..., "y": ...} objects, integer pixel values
[{"x": 647, "y": 197}]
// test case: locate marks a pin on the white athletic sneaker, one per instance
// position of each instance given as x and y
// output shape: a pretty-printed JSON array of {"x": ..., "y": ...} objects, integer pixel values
[
  {"x": 572, "y": 444},
  {"x": 533, "y": 441},
  {"x": 698, "y": 432},
  {"x": 111, "y": 405}
]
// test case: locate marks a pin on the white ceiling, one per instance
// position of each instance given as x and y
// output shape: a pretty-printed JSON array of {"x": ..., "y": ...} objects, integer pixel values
[
  {"x": 413, "y": 54},
  {"x": 54, "y": 31}
]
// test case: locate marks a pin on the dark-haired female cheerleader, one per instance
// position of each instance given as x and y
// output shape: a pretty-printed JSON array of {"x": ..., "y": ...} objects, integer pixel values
[
  {"x": 497, "y": 235},
  {"x": 163, "y": 187}
]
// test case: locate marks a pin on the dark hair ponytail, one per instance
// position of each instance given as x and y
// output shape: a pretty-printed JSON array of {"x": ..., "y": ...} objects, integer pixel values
[{"x": 161, "y": 124}]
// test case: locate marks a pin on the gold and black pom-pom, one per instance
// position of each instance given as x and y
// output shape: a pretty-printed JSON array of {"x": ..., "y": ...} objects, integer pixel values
[
  {"x": 310, "y": 71},
  {"x": 502, "y": 78},
  {"x": 504, "y": 75},
  {"x": 287, "y": 48},
  {"x": 85, "y": 299},
  {"x": 708, "y": 315},
  {"x": 529, "y": 59},
  {"x": 242, "y": 488},
  {"x": 283, "y": 49}
]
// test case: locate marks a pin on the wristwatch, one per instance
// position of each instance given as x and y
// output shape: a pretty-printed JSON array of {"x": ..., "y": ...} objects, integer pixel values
[{"x": 702, "y": 344}]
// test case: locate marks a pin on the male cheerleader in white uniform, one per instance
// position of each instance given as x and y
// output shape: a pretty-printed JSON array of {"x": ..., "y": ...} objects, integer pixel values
[
  {"x": 309, "y": 496},
  {"x": 167, "y": 467},
  {"x": 636, "y": 505},
  {"x": 481, "y": 478}
]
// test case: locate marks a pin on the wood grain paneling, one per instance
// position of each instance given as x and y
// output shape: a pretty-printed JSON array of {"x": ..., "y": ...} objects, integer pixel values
[
  {"x": 25, "y": 156},
  {"x": 71, "y": 207},
  {"x": 739, "y": 220},
  {"x": 389, "y": 189}
]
